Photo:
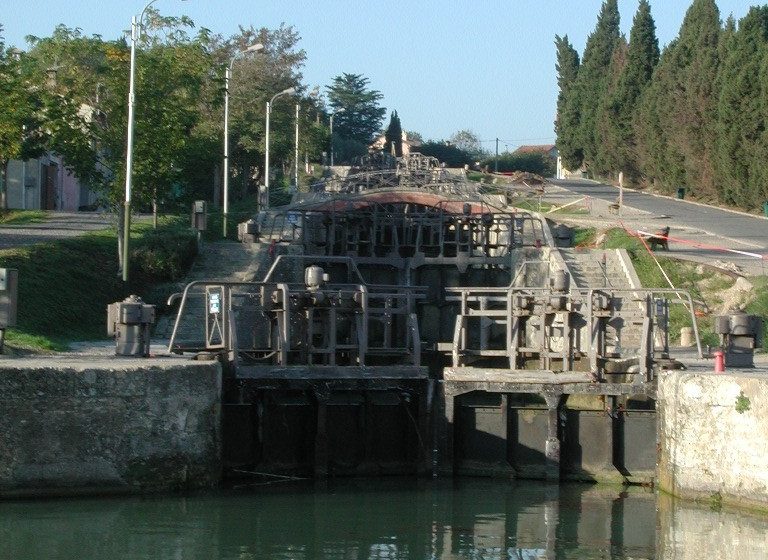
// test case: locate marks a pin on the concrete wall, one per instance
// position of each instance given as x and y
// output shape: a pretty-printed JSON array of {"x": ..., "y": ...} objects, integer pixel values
[
  {"x": 127, "y": 426},
  {"x": 691, "y": 532},
  {"x": 713, "y": 431}
]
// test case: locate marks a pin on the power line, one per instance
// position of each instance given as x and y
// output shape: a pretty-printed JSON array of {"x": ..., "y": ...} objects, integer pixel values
[{"x": 517, "y": 141}]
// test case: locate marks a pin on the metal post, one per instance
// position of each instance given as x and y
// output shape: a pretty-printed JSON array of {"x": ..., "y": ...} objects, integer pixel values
[
  {"x": 341, "y": 110},
  {"x": 227, "y": 75},
  {"x": 296, "y": 153},
  {"x": 265, "y": 202},
  {"x": 129, "y": 148},
  {"x": 496, "y": 161},
  {"x": 287, "y": 91},
  {"x": 332, "y": 139},
  {"x": 135, "y": 34}
]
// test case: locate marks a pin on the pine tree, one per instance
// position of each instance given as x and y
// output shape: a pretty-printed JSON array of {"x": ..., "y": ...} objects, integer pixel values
[
  {"x": 567, "y": 123},
  {"x": 394, "y": 136},
  {"x": 592, "y": 82},
  {"x": 740, "y": 120},
  {"x": 362, "y": 115}
]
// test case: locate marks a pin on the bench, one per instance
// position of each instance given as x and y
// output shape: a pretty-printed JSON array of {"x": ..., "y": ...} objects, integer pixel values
[{"x": 659, "y": 237}]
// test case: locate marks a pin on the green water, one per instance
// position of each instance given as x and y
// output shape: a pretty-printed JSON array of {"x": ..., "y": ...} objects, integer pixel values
[{"x": 396, "y": 518}]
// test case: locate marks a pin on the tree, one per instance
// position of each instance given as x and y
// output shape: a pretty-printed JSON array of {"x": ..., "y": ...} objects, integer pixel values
[
  {"x": 534, "y": 162},
  {"x": 567, "y": 122},
  {"x": 255, "y": 80},
  {"x": 393, "y": 137},
  {"x": 21, "y": 128},
  {"x": 447, "y": 153},
  {"x": 468, "y": 142},
  {"x": 361, "y": 117},
  {"x": 642, "y": 58},
  {"x": 592, "y": 81},
  {"x": 679, "y": 111},
  {"x": 69, "y": 73},
  {"x": 414, "y": 136},
  {"x": 658, "y": 160},
  {"x": 759, "y": 177},
  {"x": 740, "y": 117},
  {"x": 608, "y": 154}
]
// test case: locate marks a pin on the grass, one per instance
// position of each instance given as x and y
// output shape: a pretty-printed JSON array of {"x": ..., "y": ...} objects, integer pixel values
[
  {"x": 21, "y": 217},
  {"x": 704, "y": 285},
  {"x": 65, "y": 286},
  {"x": 584, "y": 237}
]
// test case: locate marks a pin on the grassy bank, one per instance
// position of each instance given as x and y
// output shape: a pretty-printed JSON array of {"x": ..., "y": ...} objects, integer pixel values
[
  {"x": 706, "y": 285},
  {"x": 65, "y": 286}
]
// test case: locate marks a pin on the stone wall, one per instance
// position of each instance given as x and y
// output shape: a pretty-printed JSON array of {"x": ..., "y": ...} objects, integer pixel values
[
  {"x": 691, "y": 532},
  {"x": 124, "y": 425},
  {"x": 713, "y": 431}
]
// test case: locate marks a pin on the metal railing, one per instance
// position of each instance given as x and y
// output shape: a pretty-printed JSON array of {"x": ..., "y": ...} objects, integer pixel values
[
  {"x": 561, "y": 328},
  {"x": 295, "y": 324}
]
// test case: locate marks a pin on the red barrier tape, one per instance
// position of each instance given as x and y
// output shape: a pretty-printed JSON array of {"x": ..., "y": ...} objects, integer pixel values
[{"x": 640, "y": 233}]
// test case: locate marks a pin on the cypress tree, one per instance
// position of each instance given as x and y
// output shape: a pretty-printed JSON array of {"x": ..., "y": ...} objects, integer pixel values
[
  {"x": 758, "y": 183},
  {"x": 592, "y": 82},
  {"x": 690, "y": 102},
  {"x": 608, "y": 151},
  {"x": 567, "y": 123},
  {"x": 394, "y": 135},
  {"x": 657, "y": 160},
  {"x": 740, "y": 119},
  {"x": 642, "y": 58}
]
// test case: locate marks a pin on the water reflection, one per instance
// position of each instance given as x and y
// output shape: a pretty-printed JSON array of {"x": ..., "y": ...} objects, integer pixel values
[{"x": 391, "y": 519}]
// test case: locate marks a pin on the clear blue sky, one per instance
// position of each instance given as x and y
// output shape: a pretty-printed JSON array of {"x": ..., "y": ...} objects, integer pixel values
[{"x": 444, "y": 65}]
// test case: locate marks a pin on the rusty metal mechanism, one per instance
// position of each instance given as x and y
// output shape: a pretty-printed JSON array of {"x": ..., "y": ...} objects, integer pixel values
[
  {"x": 317, "y": 322},
  {"x": 413, "y": 298},
  {"x": 393, "y": 232},
  {"x": 600, "y": 331}
]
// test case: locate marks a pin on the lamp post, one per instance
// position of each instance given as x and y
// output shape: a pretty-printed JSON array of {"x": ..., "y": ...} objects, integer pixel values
[
  {"x": 136, "y": 24},
  {"x": 227, "y": 75},
  {"x": 332, "y": 114},
  {"x": 296, "y": 153},
  {"x": 288, "y": 91}
]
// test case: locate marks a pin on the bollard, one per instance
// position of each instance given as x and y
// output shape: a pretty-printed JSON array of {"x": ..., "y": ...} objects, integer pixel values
[
  {"x": 719, "y": 361},
  {"x": 129, "y": 321},
  {"x": 686, "y": 337}
]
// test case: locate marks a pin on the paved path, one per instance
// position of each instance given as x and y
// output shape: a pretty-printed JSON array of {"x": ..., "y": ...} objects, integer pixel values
[
  {"x": 690, "y": 222},
  {"x": 56, "y": 226}
]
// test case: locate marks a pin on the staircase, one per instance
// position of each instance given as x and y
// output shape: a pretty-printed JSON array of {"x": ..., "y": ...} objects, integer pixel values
[
  {"x": 217, "y": 261},
  {"x": 599, "y": 268},
  {"x": 611, "y": 269},
  {"x": 228, "y": 261}
]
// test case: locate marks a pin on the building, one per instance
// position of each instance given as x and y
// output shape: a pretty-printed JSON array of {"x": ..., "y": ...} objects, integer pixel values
[
  {"x": 408, "y": 145},
  {"x": 45, "y": 184},
  {"x": 545, "y": 149}
]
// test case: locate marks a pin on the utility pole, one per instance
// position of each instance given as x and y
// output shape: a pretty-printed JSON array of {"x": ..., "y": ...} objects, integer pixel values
[{"x": 496, "y": 161}]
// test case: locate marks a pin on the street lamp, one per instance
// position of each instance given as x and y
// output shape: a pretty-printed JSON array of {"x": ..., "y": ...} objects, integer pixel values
[
  {"x": 227, "y": 75},
  {"x": 136, "y": 24},
  {"x": 332, "y": 114},
  {"x": 288, "y": 91},
  {"x": 296, "y": 154}
]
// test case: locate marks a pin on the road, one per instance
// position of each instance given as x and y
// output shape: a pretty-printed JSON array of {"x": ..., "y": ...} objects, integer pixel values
[{"x": 699, "y": 232}]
